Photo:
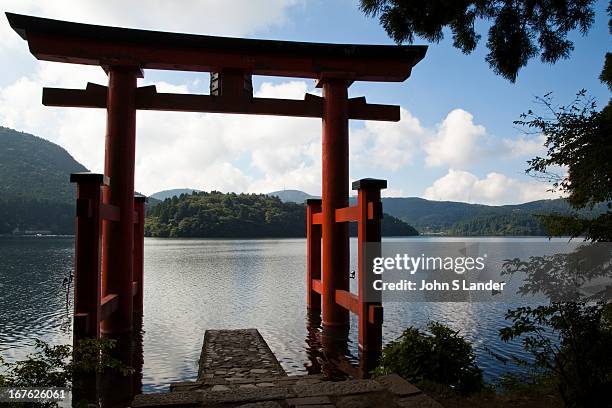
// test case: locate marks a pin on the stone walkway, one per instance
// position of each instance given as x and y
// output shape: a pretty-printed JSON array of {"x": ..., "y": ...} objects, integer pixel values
[
  {"x": 238, "y": 369},
  {"x": 237, "y": 354}
]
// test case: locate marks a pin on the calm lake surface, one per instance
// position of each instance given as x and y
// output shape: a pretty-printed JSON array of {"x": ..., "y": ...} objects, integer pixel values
[{"x": 196, "y": 284}]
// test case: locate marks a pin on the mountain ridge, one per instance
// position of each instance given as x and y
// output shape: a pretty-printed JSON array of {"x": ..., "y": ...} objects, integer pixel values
[
  {"x": 35, "y": 190},
  {"x": 35, "y": 194}
]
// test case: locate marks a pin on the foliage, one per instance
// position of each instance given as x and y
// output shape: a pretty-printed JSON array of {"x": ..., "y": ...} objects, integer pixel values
[
  {"x": 35, "y": 192},
  {"x": 572, "y": 341},
  {"x": 456, "y": 218},
  {"x": 584, "y": 274},
  {"x": 439, "y": 356},
  {"x": 389, "y": 227},
  {"x": 57, "y": 366},
  {"x": 517, "y": 224},
  {"x": 520, "y": 30},
  {"x": 216, "y": 214},
  {"x": 579, "y": 139},
  {"x": 571, "y": 337},
  {"x": 26, "y": 214},
  {"x": 34, "y": 168}
]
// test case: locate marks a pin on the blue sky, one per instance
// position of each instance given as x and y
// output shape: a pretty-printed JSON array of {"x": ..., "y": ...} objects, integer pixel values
[{"x": 456, "y": 140}]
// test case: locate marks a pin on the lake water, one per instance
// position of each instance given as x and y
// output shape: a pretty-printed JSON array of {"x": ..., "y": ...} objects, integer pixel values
[{"x": 195, "y": 284}]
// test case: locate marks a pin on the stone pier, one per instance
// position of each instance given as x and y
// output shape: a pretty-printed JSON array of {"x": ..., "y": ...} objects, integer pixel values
[
  {"x": 238, "y": 369},
  {"x": 233, "y": 355}
]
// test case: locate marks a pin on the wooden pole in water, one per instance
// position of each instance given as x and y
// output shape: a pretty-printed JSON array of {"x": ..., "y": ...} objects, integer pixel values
[
  {"x": 87, "y": 255},
  {"x": 368, "y": 240},
  {"x": 118, "y": 237},
  {"x": 138, "y": 259},
  {"x": 313, "y": 253},
  {"x": 335, "y": 160}
]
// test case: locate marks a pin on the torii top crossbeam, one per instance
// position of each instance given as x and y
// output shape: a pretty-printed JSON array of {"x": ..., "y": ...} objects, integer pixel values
[
  {"x": 235, "y": 59},
  {"x": 77, "y": 43}
]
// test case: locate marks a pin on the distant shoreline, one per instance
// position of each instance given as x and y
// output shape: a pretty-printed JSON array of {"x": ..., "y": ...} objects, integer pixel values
[{"x": 289, "y": 237}]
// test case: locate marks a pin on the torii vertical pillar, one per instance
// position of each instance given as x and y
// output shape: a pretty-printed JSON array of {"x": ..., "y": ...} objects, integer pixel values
[
  {"x": 335, "y": 194},
  {"x": 118, "y": 237}
]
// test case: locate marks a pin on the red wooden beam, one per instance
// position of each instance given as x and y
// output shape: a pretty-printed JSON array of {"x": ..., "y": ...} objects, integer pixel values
[
  {"x": 110, "y": 212},
  {"x": 108, "y": 305},
  {"x": 147, "y": 98},
  {"x": 347, "y": 214},
  {"x": 76, "y": 43},
  {"x": 347, "y": 300},
  {"x": 359, "y": 109},
  {"x": 94, "y": 96},
  {"x": 316, "y": 285}
]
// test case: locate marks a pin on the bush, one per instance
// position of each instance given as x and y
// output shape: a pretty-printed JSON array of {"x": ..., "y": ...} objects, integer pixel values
[
  {"x": 440, "y": 356},
  {"x": 578, "y": 357},
  {"x": 58, "y": 366}
]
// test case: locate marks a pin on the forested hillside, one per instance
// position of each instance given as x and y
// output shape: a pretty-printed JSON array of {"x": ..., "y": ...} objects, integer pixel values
[
  {"x": 464, "y": 219},
  {"x": 217, "y": 214},
  {"x": 35, "y": 190},
  {"x": 35, "y": 194}
]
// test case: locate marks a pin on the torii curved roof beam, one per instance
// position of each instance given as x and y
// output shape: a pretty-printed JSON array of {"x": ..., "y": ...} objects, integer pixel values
[{"x": 77, "y": 43}]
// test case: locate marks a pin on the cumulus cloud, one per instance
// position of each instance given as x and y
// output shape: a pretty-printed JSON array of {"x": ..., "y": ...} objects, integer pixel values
[
  {"x": 251, "y": 153},
  {"x": 205, "y": 151},
  {"x": 387, "y": 145},
  {"x": 211, "y": 151},
  {"x": 203, "y": 16},
  {"x": 495, "y": 189},
  {"x": 524, "y": 146},
  {"x": 455, "y": 142}
]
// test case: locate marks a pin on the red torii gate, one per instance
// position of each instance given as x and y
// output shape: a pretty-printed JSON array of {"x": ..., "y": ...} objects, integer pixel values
[{"x": 107, "y": 278}]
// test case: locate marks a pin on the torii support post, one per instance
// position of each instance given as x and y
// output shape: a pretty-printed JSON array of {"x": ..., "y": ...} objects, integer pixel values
[
  {"x": 313, "y": 255},
  {"x": 138, "y": 259},
  {"x": 87, "y": 255},
  {"x": 118, "y": 237},
  {"x": 335, "y": 160},
  {"x": 369, "y": 215}
]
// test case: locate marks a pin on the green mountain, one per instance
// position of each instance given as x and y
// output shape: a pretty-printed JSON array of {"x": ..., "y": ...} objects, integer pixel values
[
  {"x": 36, "y": 195},
  {"x": 463, "y": 219},
  {"x": 34, "y": 168},
  {"x": 35, "y": 188},
  {"x": 216, "y": 215}
]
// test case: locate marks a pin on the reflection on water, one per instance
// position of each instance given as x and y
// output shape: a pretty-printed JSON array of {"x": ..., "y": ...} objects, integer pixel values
[{"x": 194, "y": 285}]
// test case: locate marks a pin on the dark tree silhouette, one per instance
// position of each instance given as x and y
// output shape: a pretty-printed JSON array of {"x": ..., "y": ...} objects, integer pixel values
[{"x": 520, "y": 29}]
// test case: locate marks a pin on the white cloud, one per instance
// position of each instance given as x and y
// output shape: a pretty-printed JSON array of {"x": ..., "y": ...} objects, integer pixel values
[
  {"x": 238, "y": 153},
  {"x": 287, "y": 90},
  {"x": 246, "y": 153},
  {"x": 194, "y": 16},
  {"x": 393, "y": 192},
  {"x": 495, "y": 189},
  {"x": 455, "y": 142},
  {"x": 205, "y": 151},
  {"x": 230, "y": 152},
  {"x": 387, "y": 145},
  {"x": 524, "y": 147}
]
